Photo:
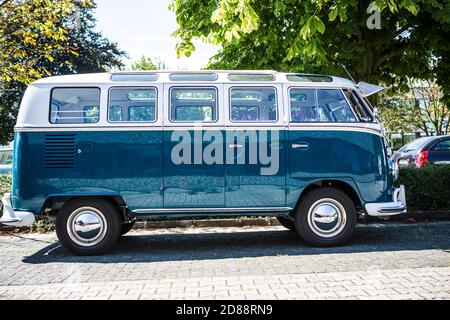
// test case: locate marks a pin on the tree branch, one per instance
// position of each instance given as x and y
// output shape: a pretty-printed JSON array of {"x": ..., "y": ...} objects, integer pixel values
[{"x": 390, "y": 54}]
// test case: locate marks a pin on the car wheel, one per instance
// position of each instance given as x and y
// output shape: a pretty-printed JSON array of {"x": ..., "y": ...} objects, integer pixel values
[
  {"x": 88, "y": 226},
  {"x": 287, "y": 223},
  {"x": 325, "y": 217},
  {"x": 126, "y": 227}
]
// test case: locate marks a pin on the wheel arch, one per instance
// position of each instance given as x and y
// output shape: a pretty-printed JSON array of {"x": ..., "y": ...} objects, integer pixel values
[
  {"x": 344, "y": 186},
  {"x": 54, "y": 203}
]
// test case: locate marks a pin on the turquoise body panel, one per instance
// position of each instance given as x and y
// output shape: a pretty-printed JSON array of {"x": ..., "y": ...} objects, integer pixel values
[{"x": 136, "y": 166}]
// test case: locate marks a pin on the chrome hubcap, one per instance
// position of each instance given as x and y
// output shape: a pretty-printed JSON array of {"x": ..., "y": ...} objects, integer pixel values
[
  {"x": 327, "y": 218},
  {"x": 86, "y": 226}
]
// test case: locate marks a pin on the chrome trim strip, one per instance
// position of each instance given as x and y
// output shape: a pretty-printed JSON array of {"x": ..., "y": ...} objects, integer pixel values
[
  {"x": 394, "y": 209},
  {"x": 210, "y": 210},
  {"x": 204, "y": 127}
]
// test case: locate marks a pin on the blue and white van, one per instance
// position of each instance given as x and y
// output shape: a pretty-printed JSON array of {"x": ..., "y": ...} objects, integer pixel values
[{"x": 98, "y": 151}]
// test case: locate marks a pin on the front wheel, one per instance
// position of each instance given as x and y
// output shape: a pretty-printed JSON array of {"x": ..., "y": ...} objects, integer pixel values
[
  {"x": 88, "y": 226},
  {"x": 326, "y": 217}
]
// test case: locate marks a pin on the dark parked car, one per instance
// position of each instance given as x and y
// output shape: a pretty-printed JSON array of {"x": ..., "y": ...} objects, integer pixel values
[{"x": 424, "y": 151}]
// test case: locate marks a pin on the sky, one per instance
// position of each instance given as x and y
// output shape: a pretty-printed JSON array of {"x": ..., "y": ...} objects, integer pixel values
[{"x": 144, "y": 27}]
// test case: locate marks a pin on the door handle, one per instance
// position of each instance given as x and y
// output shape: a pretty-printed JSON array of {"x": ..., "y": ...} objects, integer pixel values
[
  {"x": 234, "y": 145},
  {"x": 300, "y": 146}
]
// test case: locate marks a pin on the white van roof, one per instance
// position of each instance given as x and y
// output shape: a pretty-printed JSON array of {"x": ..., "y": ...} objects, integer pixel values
[{"x": 220, "y": 76}]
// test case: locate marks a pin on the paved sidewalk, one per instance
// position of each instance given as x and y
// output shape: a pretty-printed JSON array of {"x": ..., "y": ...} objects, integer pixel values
[
  {"x": 421, "y": 283},
  {"x": 382, "y": 261}
]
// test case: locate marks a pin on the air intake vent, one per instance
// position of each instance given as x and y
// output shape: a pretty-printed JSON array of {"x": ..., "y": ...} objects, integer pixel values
[{"x": 60, "y": 150}]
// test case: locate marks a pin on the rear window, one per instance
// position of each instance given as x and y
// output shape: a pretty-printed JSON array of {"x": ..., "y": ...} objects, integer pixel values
[
  {"x": 414, "y": 145},
  {"x": 6, "y": 157},
  {"x": 442, "y": 146},
  {"x": 319, "y": 105},
  {"x": 75, "y": 105}
]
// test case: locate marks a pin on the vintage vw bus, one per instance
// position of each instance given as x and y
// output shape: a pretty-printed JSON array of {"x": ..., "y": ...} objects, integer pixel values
[{"x": 98, "y": 151}]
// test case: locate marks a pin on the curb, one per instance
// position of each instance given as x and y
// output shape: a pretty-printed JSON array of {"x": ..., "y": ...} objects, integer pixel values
[
  {"x": 422, "y": 216},
  {"x": 271, "y": 221}
]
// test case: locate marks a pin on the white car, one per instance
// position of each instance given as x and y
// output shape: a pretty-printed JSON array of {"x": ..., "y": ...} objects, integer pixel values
[{"x": 6, "y": 160}]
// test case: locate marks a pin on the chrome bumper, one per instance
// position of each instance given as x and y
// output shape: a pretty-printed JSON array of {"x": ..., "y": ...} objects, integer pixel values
[
  {"x": 397, "y": 206},
  {"x": 13, "y": 218}
]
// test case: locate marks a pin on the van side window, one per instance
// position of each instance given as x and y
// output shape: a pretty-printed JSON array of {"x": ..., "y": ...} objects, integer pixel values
[
  {"x": 333, "y": 106},
  {"x": 74, "y": 105},
  {"x": 303, "y": 105},
  {"x": 358, "y": 106},
  {"x": 253, "y": 104},
  {"x": 319, "y": 105},
  {"x": 193, "y": 104},
  {"x": 133, "y": 104}
]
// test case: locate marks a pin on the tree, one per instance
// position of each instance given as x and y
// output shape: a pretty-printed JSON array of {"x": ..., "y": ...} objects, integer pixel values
[
  {"x": 322, "y": 35},
  {"x": 31, "y": 26},
  {"x": 93, "y": 52},
  {"x": 80, "y": 50},
  {"x": 148, "y": 64},
  {"x": 421, "y": 110}
]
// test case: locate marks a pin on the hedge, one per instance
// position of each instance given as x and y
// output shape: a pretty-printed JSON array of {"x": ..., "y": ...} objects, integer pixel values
[
  {"x": 427, "y": 188},
  {"x": 5, "y": 184}
]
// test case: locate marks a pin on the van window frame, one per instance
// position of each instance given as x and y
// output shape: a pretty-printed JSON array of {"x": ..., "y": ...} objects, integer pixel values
[
  {"x": 362, "y": 102},
  {"x": 131, "y": 87},
  {"x": 316, "y": 99},
  {"x": 277, "y": 106},
  {"x": 75, "y": 124},
  {"x": 169, "y": 107}
]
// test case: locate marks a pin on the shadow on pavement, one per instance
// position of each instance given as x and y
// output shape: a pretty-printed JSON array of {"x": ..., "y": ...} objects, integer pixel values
[{"x": 201, "y": 246}]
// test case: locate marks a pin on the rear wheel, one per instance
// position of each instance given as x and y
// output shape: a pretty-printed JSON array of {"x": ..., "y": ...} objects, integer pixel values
[
  {"x": 287, "y": 223},
  {"x": 88, "y": 226},
  {"x": 325, "y": 217}
]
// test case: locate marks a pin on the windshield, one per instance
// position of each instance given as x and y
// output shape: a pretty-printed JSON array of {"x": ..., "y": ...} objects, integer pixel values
[{"x": 414, "y": 145}]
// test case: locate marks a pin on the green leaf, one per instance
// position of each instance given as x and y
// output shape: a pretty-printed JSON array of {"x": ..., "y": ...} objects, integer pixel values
[
  {"x": 228, "y": 36},
  {"x": 332, "y": 15},
  {"x": 318, "y": 24}
]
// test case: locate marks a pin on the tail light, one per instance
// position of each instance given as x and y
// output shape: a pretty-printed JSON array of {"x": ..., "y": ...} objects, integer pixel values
[{"x": 422, "y": 159}]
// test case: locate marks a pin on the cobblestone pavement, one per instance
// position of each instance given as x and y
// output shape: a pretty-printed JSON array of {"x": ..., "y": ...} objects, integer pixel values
[{"x": 382, "y": 261}]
